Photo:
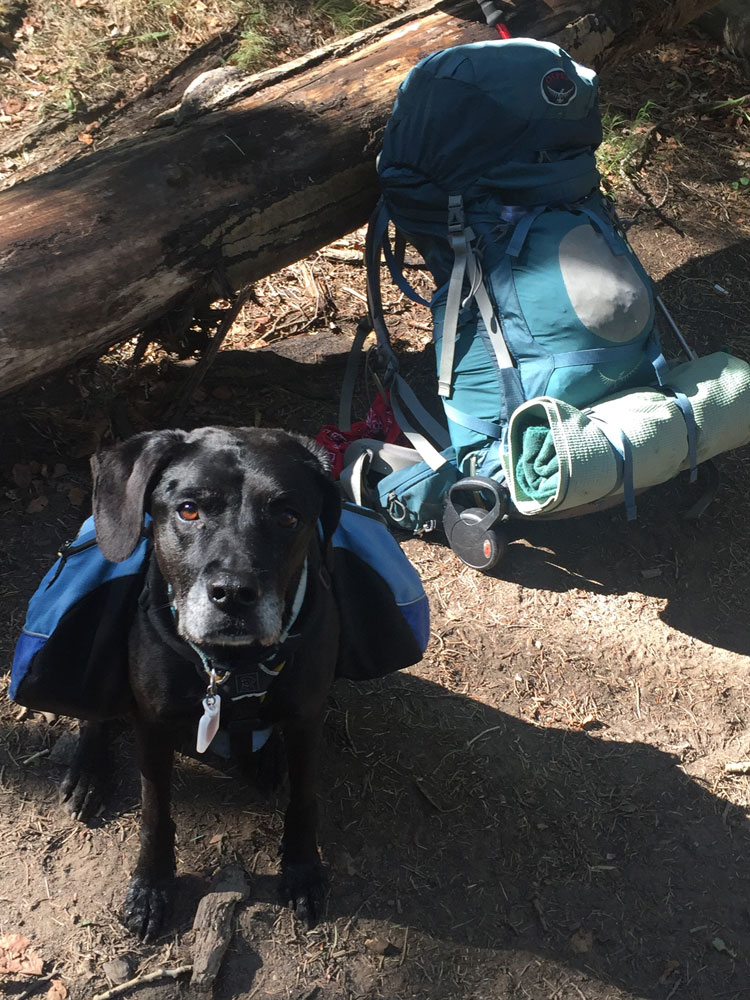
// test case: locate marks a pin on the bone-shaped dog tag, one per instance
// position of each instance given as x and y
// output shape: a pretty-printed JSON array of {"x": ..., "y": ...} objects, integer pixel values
[{"x": 208, "y": 725}]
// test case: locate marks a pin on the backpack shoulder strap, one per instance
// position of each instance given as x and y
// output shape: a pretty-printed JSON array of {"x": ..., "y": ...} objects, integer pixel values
[
  {"x": 377, "y": 242},
  {"x": 466, "y": 265},
  {"x": 364, "y": 326}
]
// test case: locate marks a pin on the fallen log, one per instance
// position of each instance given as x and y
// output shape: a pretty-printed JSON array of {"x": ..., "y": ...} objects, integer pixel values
[{"x": 248, "y": 175}]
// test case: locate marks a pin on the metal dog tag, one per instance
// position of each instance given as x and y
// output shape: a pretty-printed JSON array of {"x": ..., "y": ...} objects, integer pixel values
[{"x": 208, "y": 726}]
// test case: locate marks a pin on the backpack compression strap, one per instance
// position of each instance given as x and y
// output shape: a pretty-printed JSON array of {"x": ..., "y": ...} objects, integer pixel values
[
  {"x": 459, "y": 242},
  {"x": 467, "y": 265}
]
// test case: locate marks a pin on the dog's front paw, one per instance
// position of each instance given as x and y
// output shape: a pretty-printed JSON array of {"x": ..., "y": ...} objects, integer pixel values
[
  {"x": 303, "y": 888},
  {"x": 82, "y": 791},
  {"x": 146, "y": 906}
]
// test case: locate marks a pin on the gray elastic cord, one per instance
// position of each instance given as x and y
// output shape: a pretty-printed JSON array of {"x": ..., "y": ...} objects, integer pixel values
[
  {"x": 511, "y": 393},
  {"x": 473, "y": 268},
  {"x": 350, "y": 375},
  {"x": 457, "y": 237},
  {"x": 399, "y": 390},
  {"x": 686, "y": 347},
  {"x": 466, "y": 264},
  {"x": 491, "y": 323}
]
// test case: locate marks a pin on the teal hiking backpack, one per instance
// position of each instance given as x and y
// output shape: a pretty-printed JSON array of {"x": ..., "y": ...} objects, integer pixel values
[{"x": 488, "y": 168}]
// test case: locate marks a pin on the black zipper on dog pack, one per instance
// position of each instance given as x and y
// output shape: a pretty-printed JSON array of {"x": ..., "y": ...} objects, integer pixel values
[{"x": 68, "y": 549}]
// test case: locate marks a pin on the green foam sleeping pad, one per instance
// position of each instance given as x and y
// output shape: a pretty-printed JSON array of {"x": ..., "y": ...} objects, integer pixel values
[{"x": 560, "y": 457}]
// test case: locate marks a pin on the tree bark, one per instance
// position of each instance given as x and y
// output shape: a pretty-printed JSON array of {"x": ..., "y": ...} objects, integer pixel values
[{"x": 248, "y": 175}]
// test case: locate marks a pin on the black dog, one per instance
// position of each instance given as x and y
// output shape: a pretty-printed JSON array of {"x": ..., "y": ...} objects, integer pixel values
[{"x": 237, "y": 605}]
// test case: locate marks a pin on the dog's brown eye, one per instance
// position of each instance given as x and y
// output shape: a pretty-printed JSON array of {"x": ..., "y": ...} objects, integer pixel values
[
  {"x": 287, "y": 518},
  {"x": 188, "y": 511}
]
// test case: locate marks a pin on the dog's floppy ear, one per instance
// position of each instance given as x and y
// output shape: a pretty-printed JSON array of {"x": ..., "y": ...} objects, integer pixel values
[
  {"x": 331, "y": 509},
  {"x": 122, "y": 476}
]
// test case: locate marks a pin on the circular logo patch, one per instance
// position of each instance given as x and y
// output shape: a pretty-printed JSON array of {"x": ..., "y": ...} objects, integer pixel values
[{"x": 558, "y": 88}]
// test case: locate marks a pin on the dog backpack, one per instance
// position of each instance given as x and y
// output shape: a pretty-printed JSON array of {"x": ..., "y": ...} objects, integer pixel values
[
  {"x": 383, "y": 609},
  {"x": 488, "y": 169},
  {"x": 71, "y": 657}
]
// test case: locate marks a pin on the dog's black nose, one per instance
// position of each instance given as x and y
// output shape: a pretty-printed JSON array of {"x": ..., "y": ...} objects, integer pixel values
[{"x": 233, "y": 593}]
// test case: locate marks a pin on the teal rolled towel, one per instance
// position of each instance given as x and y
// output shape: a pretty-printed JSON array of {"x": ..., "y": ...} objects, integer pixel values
[{"x": 538, "y": 468}]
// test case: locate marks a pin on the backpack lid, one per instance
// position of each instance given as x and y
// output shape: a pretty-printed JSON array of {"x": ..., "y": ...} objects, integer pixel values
[{"x": 515, "y": 120}]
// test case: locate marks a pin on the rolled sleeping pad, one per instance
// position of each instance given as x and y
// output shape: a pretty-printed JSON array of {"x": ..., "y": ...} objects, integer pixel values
[{"x": 560, "y": 458}]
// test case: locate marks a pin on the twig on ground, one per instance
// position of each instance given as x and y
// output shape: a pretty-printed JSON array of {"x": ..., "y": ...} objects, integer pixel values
[
  {"x": 342, "y": 256},
  {"x": 704, "y": 197},
  {"x": 738, "y": 767},
  {"x": 667, "y": 189},
  {"x": 403, "y": 947},
  {"x": 484, "y": 732},
  {"x": 151, "y": 977},
  {"x": 430, "y": 799},
  {"x": 537, "y": 904},
  {"x": 674, "y": 989}
]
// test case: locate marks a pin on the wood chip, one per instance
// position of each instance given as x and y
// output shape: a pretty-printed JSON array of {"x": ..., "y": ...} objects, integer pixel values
[
  {"x": 213, "y": 932},
  {"x": 380, "y": 946}
]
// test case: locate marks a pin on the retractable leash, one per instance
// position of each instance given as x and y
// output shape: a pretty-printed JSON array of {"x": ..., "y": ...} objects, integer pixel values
[{"x": 495, "y": 16}]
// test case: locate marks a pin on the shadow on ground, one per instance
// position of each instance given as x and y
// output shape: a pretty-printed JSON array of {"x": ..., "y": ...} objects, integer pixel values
[{"x": 491, "y": 842}]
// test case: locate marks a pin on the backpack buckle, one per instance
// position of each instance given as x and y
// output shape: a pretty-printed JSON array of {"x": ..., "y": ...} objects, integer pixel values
[{"x": 456, "y": 222}]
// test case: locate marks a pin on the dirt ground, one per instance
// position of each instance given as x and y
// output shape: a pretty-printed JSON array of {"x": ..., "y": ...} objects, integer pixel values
[{"x": 540, "y": 809}]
